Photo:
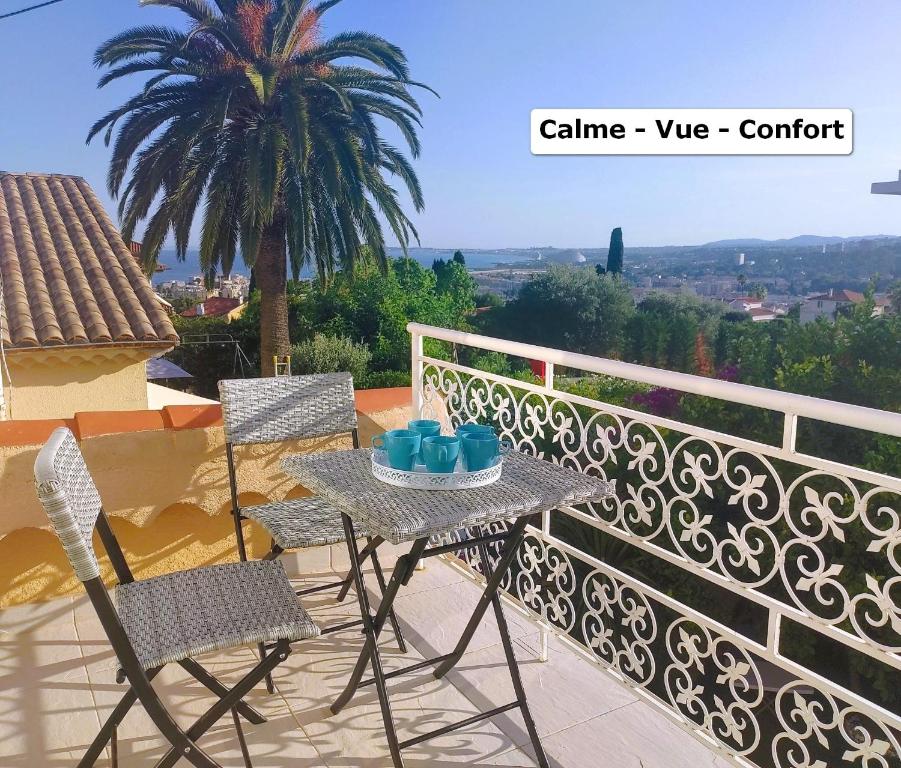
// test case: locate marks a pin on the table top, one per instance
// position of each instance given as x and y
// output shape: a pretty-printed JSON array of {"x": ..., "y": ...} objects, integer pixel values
[{"x": 528, "y": 485}]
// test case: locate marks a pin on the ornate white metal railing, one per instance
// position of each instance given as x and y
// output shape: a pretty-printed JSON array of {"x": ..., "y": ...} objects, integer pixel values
[{"x": 750, "y": 590}]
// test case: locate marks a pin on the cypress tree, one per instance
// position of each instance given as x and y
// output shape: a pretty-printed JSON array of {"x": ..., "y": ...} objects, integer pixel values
[{"x": 615, "y": 252}]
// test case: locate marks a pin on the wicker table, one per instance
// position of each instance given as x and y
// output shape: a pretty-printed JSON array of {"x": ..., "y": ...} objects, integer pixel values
[{"x": 528, "y": 486}]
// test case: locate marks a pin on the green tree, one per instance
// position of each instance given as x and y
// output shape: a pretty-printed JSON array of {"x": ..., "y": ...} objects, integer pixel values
[
  {"x": 665, "y": 328},
  {"x": 894, "y": 297},
  {"x": 459, "y": 258},
  {"x": 456, "y": 282},
  {"x": 248, "y": 109},
  {"x": 568, "y": 308},
  {"x": 758, "y": 291},
  {"x": 615, "y": 252},
  {"x": 374, "y": 306},
  {"x": 489, "y": 299}
]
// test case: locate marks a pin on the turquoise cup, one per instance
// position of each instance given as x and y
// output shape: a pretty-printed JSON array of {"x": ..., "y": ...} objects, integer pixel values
[
  {"x": 401, "y": 445},
  {"x": 469, "y": 429},
  {"x": 440, "y": 453},
  {"x": 480, "y": 450},
  {"x": 426, "y": 428}
]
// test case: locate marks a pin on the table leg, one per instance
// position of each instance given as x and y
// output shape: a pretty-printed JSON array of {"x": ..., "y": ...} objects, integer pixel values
[
  {"x": 374, "y": 624},
  {"x": 517, "y": 534},
  {"x": 513, "y": 665},
  {"x": 372, "y": 627}
]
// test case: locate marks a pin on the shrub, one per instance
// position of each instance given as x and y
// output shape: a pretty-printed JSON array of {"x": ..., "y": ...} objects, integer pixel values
[
  {"x": 384, "y": 379},
  {"x": 330, "y": 354}
]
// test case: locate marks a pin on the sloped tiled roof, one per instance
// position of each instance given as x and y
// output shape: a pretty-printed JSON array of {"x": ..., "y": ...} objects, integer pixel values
[
  {"x": 68, "y": 277},
  {"x": 843, "y": 295},
  {"x": 214, "y": 306}
]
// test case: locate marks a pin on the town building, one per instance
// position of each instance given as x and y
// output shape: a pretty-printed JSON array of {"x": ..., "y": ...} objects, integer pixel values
[
  {"x": 829, "y": 303},
  {"x": 216, "y": 306},
  {"x": 179, "y": 289},
  {"x": 754, "y": 307}
]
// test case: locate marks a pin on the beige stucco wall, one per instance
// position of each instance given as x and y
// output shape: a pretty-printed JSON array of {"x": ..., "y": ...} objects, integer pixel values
[
  {"x": 166, "y": 490},
  {"x": 58, "y": 385}
]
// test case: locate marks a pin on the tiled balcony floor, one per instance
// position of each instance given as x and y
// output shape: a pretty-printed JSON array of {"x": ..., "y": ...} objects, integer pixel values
[{"x": 57, "y": 682}]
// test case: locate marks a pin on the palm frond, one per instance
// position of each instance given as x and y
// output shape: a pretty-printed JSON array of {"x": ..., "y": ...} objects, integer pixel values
[
  {"x": 199, "y": 10},
  {"x": 360, "y": 45}
]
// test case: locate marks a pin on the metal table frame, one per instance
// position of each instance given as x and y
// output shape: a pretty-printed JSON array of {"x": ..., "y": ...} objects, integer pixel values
[
  {"x": 374, "y": 623},
  {"x": 528, "y": 486}
]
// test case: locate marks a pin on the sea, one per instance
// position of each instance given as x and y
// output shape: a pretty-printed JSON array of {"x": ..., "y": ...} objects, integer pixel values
[{"x": 475, "y": 259}]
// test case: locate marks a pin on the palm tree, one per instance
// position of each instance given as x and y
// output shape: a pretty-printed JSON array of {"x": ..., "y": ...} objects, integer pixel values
[{"x": 275, "y": 129}]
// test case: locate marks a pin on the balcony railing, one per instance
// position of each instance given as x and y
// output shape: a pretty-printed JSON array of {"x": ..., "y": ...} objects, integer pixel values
[{"x": 750, "y": 590}]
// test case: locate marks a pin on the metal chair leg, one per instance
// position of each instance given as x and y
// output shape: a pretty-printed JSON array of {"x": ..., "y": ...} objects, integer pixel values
[
  {"x": 206, "y": 678},
  {"x": 224, "y": 704},
  {"x": 241, "y": 741},
  {"x": 270, "y": 685},
  {"x": 274, "y": 552},
  {"x": 107, "y": 731}
]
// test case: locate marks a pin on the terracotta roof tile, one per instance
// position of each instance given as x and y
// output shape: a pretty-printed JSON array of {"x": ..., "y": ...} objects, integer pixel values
[
  {"x": 214, "y": 306},
  {"x": 68, "y": 277},
  {"x": 843, "y": 295}
]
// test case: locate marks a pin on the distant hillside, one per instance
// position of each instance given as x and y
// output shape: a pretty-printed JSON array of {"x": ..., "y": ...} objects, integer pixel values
[{"x": 800, "y": 241}]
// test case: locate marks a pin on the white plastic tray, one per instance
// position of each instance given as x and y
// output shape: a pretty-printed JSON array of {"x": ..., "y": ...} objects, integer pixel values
[{"x": 422, "y": 479}]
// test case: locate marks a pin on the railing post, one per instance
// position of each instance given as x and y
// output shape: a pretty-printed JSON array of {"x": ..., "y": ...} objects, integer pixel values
[
  {"x": 789, "y": 432},
  {"x": 544, "y": 632},
  {"x": 549, "y": 375},
  {"x": 416, "y": 370},
  {"x": 543, "y": 654}
]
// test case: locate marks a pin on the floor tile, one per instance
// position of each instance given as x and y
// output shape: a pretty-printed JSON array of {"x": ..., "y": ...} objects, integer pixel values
[
  {"x": 46, "y": 704},
  {"x": 562, "y": 692},
  {"x": 633, "y": 736},
  {"x": 437, "y": 618},
  {"x": 57, "y": 680}
]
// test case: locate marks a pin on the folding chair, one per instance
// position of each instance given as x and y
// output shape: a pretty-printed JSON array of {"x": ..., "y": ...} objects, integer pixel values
[
  {"x": 277, "y": 409},
  {"x": 167, "y": 619}
]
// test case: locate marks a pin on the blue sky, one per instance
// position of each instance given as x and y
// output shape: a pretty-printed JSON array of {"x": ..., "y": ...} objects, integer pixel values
[{"x": 492, "y": 61}]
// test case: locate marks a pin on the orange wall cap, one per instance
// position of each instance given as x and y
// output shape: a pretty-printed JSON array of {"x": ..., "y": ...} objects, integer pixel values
[
  {"x": 94, "y": 423},
  {"x": 192, "y": 416},
  {"x": 31, "y": 431},
  {"x": 376, "y": 400}
]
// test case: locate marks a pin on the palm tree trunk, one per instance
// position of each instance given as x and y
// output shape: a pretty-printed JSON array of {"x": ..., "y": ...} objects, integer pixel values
[{"x": 271, "y": 275}]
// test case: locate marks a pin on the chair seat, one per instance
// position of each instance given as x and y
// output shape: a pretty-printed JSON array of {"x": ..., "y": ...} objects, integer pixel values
[
  {"x": 300, "y": 523},
  {"x": 187, "y": 613}
]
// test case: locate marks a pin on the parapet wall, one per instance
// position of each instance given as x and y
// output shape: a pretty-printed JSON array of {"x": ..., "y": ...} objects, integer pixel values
[{"x": 163, "y": 479}]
